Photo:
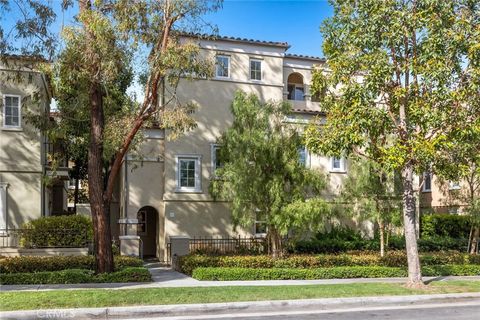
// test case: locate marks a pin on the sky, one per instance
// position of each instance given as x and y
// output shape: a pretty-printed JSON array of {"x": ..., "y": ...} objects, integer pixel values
[{"x": 294, "y": 21}]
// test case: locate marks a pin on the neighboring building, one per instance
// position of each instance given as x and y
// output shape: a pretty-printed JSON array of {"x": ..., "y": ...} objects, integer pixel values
[{"x": 25, "y": 154}]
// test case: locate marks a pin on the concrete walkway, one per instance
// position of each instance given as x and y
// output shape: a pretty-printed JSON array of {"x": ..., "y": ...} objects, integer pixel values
[{"x": 164, "y": 277}]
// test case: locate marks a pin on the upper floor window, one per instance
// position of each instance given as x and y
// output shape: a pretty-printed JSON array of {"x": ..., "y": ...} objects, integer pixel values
[
  {"x": 11, "y": 111},
  {"x": 427, "y": 182},
  {"x": 222, "y": 66},
  {"x": 303, "y": 156},
  {"x": 216, "y": 160},
  {"x": 188, "y": 173},
  {"x": 337, "y": 164},
  {"x": 295, "y": 87},
  {"x": 255, "y": 69}
]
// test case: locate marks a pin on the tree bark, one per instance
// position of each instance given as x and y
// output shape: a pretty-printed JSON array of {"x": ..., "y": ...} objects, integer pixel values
[
  {"x": 275, "y": 242},
  {"x": 414, "y": 271},
  {"x": 381, "y": 231},
  {"x": 474, "y": 240},
  {"x": 99, "y": 206}
]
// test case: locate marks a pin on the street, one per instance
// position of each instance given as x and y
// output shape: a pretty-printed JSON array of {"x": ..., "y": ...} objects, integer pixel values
[{"x": 450, "y": 311}]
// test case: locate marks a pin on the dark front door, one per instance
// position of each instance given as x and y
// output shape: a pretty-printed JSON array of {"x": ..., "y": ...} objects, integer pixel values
[{"x": 147, "y": 230}]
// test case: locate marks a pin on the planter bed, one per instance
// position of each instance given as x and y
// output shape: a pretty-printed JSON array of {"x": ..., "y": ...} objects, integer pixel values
[{"x": 233, "y": 274}]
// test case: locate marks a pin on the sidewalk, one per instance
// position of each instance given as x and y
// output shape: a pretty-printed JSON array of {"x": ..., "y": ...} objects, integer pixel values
[{"x": 164, "y": 277}]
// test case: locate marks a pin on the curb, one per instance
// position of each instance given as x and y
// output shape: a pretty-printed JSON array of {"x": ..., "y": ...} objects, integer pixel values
[{"x": 235, "y": 307}]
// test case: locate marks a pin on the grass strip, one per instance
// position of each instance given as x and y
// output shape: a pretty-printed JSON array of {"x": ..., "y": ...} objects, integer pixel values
[{"x": 23, "y": 300}]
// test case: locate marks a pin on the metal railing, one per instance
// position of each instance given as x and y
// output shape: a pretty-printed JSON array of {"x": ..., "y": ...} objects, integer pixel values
[
  {"x": 237, "y": 245},
  {"x": 53, "y": 238}
]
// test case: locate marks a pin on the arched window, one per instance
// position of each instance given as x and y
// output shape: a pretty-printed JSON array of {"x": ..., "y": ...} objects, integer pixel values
[{"x": 296, "y": 90}]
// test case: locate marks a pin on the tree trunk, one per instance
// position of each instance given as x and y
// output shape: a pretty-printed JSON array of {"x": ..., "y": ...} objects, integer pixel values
[
  {"x": 414, "y": 271},
  {"x": 381, "y": 231},
  {"x": 99, "y": 207},
  {"x": 474, "y": 240},
  {"x": 275, "y": 242}
]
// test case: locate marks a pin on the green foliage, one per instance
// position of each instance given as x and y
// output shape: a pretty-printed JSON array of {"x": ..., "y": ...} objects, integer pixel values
[
  {"x": 28, "y": 264},
  {"x": 262, "y": 171},
  {"x": 57, "y": 231},
  {"x": 71, "y": 276},
  {"x": 232, "y": 274},
  {"x": 444, "y": 225},
  {"x": 365, "y": 258}
]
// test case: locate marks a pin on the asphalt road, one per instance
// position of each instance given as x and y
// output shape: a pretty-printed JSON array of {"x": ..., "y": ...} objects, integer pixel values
[{"x": 451, "y": 311}]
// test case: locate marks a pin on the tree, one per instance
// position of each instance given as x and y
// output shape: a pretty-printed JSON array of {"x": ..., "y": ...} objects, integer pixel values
[
  {"x": 399, "y": 74},
  {"x": 111, "y": 33},
  {"x": 262, "y": 173},
  {"x": 369, "y": 192}
]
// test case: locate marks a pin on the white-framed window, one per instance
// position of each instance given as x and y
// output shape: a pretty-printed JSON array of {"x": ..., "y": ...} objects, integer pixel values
[
  {"x": 142, "y": 223},
  {"x": 337, "y": 164},
  {"x": 12, "y": 111},
  {"x": 260, "y": 224},
  {"x": 222, "y": 66},
  {"x": 296, "y": 92},
  {"x": 454, "y": 185},
  {"x": 188, "y": 169},
  {"x": 216, "y": 161},
  {"x": 304, "y": 156},
  {"x": 255, "y": 69},
  {"x": 427, "y": 182},
  {"x": 71, "y": 183}
]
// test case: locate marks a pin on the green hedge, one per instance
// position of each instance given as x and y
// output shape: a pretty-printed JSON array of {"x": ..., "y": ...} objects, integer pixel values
[
  {"x": 232, "y": 274},
  {"x": 71, "y": 276},
  {"x": 427, "y": 244},
  {"x": 38, "y": 264},
  {"x": 444, "y": 225},
  {"x": 57, "y": 231},
  {"x": 391, "y": 259}
]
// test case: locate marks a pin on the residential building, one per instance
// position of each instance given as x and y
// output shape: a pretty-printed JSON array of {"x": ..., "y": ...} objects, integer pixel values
[{"x": 29, "y": 185}]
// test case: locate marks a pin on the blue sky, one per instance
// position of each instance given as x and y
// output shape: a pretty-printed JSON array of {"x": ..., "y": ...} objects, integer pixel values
[{"x": 294, "y": 21}]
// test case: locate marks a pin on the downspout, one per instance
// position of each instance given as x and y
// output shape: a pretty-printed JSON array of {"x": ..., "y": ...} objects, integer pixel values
[{"x": 43, "y": 156}]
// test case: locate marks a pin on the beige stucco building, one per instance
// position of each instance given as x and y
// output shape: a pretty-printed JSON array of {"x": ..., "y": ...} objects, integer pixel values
[{"x": 24, "y": 161}]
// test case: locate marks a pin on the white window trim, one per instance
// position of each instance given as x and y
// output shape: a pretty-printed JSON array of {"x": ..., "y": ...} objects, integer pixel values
[
  {"x": 198, "y": 173},
  {"x": 454, "y": 185},
  {"x": 258, "y": 234},
  {"x": 343, "y": 165},
  {"x": 424, "y": 185},
  {"x": 250, "y": 70},
  {"x": 229, "y": 67},
  {"x": 5, "y": 126},
  {"x": 307, "y": 157},
  {"x": 213, "y": 157}
]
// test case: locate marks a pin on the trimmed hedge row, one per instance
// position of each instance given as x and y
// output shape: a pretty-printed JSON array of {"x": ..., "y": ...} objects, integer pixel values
[
  {"x": 444, "y": 225},
  {"x": 427, "y": 244},
  {"x": 71, "y": 276},
  {"x": 392, "y": 259},
  {"x": 29, "y": 264},
  {"x": 232, "y": 274}
]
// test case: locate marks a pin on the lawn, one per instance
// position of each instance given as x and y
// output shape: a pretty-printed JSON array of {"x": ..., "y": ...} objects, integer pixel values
[{"x": 156, "y": 296}]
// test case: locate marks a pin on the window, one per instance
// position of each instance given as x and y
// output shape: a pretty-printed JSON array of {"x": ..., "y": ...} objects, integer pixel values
[
  {"x": 295, "y": 92},
  {"x": 71, "y": 183},
  {"x": 142, "y": 222},
  {"x": 454, "y": 185},
  {"x": 188, "y": 174},
  {"x": 427, "y": 182},
  {"x": 11, "y": 111},
  {"x": 222, "y": 67},
  {"x": 260, "y": 224},
  {"x": 304, "y": 156},
  {"x": 216, "y": 160},
  {"x": 337, "y": 164},
  {"x": 255, "y": 69}
]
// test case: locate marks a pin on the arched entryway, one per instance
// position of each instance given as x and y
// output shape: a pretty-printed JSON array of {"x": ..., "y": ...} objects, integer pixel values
[{"x": 148, "y": 230}]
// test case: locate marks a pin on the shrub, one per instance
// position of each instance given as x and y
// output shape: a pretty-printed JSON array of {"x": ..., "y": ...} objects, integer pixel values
[
  {"x": 444, "y": 225},
  {"x": 392, "y": 259},
  {"x": 231, "y": 274},
  {"x": 131, "y": 274},
  {"x": 57, "y": 231},
  {"x": 57, "y": 263}
]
